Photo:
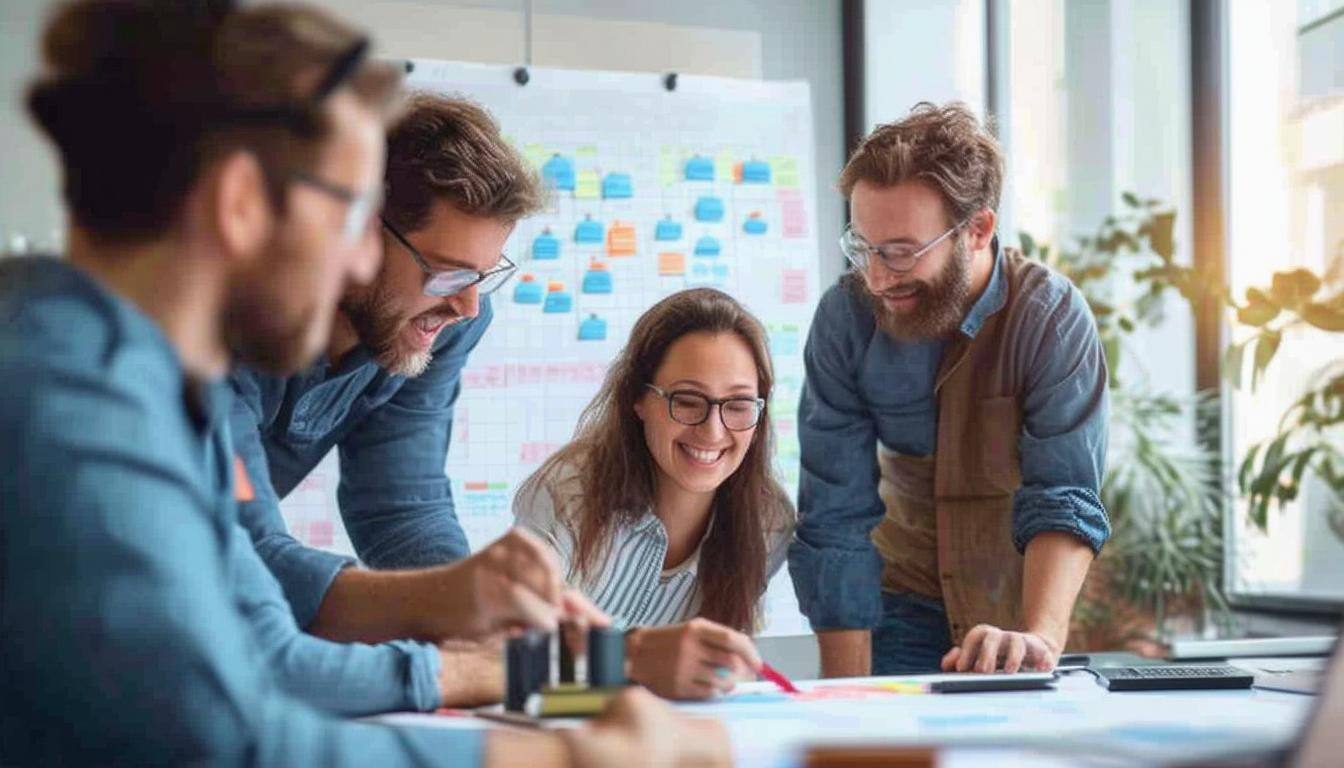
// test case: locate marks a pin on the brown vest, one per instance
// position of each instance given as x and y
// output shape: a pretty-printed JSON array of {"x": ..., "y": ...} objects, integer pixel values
[{"x": 948, "y": 529}]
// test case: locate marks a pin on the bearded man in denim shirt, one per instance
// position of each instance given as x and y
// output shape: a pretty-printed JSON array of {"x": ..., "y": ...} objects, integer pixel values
[
  {"x": 383, "y": 393},
  {"x": 953, "y": 423}
]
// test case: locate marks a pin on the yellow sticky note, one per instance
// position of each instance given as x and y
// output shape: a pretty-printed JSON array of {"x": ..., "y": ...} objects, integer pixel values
[
  {"x": 785, "y": 171},
  {"x": 587, "y": 185},
  {"x": 536, "y": 154},
  {"x": 587, "y": 150},
  {"x": 723, "y": 165}
]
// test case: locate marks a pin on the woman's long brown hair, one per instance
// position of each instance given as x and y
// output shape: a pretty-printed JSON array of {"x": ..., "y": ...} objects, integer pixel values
[{"x": 616, "y": 475}]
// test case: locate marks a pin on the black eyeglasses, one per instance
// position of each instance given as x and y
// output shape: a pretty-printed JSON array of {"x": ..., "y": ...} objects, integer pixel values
[
  {"x": 450, "y": 282},
  {"x": 686, "y": 406}
]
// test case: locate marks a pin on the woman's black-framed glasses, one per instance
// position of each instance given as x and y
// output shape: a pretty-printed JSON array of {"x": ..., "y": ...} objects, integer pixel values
[
  {"x": 450, "y": 282},
  {"x": 686, "y": 406}
]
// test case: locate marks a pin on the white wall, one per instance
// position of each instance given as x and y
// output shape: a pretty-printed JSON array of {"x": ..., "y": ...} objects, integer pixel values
[{"x": 922, "y": 50}]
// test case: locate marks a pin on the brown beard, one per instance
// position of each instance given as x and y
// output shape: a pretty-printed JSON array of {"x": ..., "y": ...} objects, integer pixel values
[
  {"x": 373, "y": 314},
  {"x": 941, "y": 307}
]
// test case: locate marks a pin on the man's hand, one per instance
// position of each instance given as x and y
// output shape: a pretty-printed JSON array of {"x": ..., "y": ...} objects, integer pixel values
[
  {"x": 471, "y": 674},
  {"x": 511, "y": 585},
  {"x": 692, "y": 660},
  {"x": 987, "y": 649}
]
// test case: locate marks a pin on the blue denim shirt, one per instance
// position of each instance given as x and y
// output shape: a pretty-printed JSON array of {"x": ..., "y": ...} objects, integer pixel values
[
  {"x": 392, "y": 434},
  {"x": 122, "y": 634},
  {"x": 863, "y": 386}
]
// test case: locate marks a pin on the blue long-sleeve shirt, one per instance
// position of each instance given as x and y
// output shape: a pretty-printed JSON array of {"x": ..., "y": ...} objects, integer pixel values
[
  {"x": 863, "y": 386},
  {"x": 122, "y": 633},
  {"x": 351, "y": 679},
  {"x": 392, "y": 434}
]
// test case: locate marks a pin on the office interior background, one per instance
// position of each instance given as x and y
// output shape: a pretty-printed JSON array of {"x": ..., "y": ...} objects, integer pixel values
[{"x": 1182, "y": 159}]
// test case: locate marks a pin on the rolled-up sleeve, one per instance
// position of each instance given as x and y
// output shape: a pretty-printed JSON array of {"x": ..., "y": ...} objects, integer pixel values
[
  {"x": 836, "y": 570},
  {"x": 396, "y": 499},
  {"x": 1065, "y": 409},
  {"x": 305, "y": 574}
]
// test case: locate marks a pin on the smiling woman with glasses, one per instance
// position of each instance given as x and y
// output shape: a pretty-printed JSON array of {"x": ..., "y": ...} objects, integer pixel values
[
  {"x": 665, "y": 509},
  {"x": 450, "y": 282}
]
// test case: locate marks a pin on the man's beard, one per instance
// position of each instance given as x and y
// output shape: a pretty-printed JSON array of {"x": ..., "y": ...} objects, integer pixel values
[
  {"x": 941, "y": 303},
  {"x": 377, "y": 320}
]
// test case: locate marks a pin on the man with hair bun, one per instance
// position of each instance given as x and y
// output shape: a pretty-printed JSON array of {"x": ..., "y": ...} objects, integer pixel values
[
  {"x": 953, "y": 423},
  {"x": 224, "y": 221}
]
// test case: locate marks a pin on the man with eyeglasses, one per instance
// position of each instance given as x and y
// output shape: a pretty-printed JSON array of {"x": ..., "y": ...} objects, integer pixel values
[
  {"x": 952, "y": 423},
  {"x": 128, "y": 629},
  {"x": 383, "y": 394}
]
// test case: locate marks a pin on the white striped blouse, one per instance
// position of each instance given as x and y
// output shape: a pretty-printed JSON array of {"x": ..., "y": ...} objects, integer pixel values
[{"x": 632, "y": 587}]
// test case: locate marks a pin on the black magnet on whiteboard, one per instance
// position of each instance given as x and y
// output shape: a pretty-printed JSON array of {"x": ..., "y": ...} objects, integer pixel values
[
  {"x": 521, "y": 76},
  {"x": 670, "y": 81},
  {"x": 410, "y": 66}
]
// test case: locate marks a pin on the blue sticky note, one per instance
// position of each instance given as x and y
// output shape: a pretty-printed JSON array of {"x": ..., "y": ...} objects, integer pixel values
[
  {"x": 709, "y": 209},
  {"x": 617, "y": 185},
  {"x": 589, "y": 231},
  {"x": 597, "y": 281},
  {"x": 754, "y": 225},
  {"x": 667, "y": 229},
  {"x": 720, "y": 271},
  {"x": 558, "y": 301},
  {"x": 593, "y": 328},
  {"x": 700, "y": 271},
  {"x": 527, "y": 291},
  {"x": 699, "y": 168},
  {"x": 707, "y": 247},
  {"x": 546, "y": 246},
  {"x": 558, "y": 173},
  {"x": 755, "y": 172}
]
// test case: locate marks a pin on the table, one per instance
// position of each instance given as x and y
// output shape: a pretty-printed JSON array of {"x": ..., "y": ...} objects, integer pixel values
[{"x": 1077, "y": 724}]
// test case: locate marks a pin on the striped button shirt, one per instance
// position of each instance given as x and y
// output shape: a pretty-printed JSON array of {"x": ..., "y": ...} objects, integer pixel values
[{"x": 632, "y": 586}]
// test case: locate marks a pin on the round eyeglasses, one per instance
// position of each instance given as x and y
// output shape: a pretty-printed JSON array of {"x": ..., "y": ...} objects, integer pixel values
[
  {"x": 686, "y": 406},
  {"x": 898, "y": 257}
]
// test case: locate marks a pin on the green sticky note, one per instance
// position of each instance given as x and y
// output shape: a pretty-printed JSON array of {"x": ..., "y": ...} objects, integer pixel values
[{"x": 587, "y": 150}]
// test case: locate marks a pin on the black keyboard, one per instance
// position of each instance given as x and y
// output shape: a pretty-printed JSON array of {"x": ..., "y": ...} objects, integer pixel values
[{"x": 1169, "y": 677}]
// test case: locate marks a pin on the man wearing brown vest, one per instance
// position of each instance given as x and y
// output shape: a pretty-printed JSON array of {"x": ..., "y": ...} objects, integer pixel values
[{"x": 953, "y": 423}]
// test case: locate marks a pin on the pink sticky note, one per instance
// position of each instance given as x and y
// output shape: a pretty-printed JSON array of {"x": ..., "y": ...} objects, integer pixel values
[
  {"x": 793, "y": 213},
  {"x": 793, "y": 286}
]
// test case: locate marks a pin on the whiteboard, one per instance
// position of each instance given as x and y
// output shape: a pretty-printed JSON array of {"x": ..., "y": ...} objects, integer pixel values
[{"x": 655, "y": 190}]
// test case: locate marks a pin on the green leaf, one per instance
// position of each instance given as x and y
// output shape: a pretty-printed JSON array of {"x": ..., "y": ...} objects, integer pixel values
[
  {"x": 1028, "y": 243},
  {"x": 1324, "y": 317},
  {"x": 1232, "y": 363},
  {"x": 1131, "y": 199},
  {"x": 1267, "y": 345},
  {"x": 1162, "y": 236},
  {"x": 1293, "y": 287}
]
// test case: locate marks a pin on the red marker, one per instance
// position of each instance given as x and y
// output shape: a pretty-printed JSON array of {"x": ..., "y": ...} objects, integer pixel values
[{"x": 774, "y": 676}]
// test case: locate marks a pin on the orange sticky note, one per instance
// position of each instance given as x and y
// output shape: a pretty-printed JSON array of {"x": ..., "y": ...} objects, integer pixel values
[
  {"x": 621, "y": 239},
  {"x": 671, "y": 264},
  {"x": 242, "y": 484}
]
